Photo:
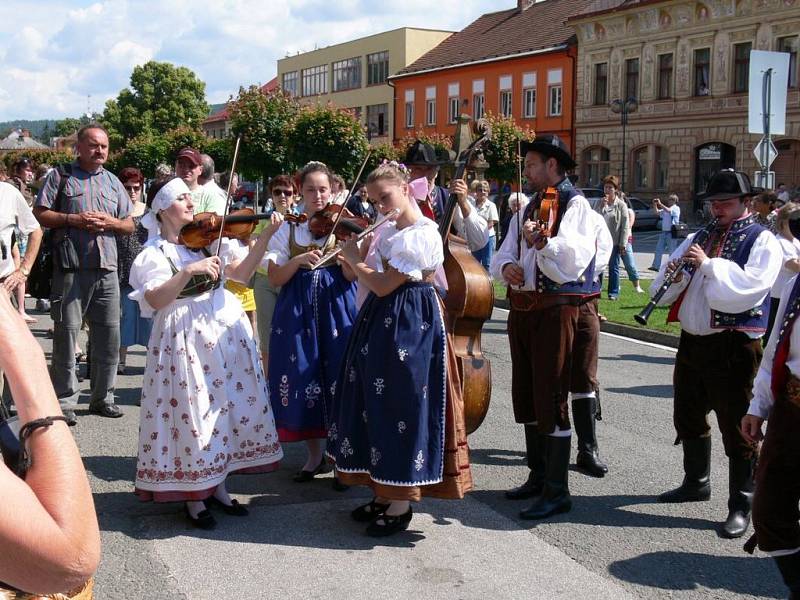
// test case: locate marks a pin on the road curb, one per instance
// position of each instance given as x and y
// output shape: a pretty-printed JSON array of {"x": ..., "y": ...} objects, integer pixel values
[{"x": 636, "y": 333}]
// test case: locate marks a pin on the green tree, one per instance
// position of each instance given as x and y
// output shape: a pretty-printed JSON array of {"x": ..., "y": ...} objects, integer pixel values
[
  {"x": 161, "y": 97},
  {"x": 501, "y": 150},
  {"x": 380, "y": 153},
  {"x": 264, "y": 122},
  {"x": 330, "y": 135},
  {"x": 67, "y": 126}
]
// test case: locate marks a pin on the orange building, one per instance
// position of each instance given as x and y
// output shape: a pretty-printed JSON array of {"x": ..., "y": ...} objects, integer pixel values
[{"x": 518, "y": 62}]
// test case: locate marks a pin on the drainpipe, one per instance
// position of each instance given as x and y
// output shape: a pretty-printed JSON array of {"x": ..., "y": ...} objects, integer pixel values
[
  {"x": 572, "y": 54},
  {"x": 390, "y": 83}
]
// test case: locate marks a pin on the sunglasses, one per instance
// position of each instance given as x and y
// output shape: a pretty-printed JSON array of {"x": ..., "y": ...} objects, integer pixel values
[
  {"x": 133, "y": 188},
  {"x": 287, "y": 193}
]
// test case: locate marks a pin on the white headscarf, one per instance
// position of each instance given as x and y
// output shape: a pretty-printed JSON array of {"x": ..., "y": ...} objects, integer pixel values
[{"x": 168, "y": 194}]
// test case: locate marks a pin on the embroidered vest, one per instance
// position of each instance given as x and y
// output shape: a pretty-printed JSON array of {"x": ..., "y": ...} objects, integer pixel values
[
  {"x": 735, "y": 245},
  {"x": 296, "y": 249},
  {"x": 585, "y": 285},
  {"x": 780, "y": 374},
  {"x": 198, "y": 284}
]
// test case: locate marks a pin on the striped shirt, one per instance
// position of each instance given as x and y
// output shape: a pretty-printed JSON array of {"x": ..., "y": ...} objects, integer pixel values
[{"x": 100, "y": 191}]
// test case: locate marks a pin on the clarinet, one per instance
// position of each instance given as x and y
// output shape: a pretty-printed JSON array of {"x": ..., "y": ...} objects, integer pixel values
[{"x": 669, "y": 278}]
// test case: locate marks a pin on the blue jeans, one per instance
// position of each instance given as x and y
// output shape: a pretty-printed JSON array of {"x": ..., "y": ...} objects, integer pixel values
[
  {"x": 613, "y": 268},
  {"x": 665, "y": 244},
  {"x": 484, "y": 255}
]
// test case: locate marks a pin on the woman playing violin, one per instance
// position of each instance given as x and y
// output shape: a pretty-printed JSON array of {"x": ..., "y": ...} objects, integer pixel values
[
  {"x": 313, "y": 317},
  {"x": 205, "y": 412}
]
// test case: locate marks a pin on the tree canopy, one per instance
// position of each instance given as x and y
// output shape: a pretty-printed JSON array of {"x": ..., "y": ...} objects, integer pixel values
[
  {"x": 501, "y": 150},
  {"x": 161, "y": 97}
]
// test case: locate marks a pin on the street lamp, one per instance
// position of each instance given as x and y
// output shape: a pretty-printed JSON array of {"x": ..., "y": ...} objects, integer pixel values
[{"x": 623, "y": 108}]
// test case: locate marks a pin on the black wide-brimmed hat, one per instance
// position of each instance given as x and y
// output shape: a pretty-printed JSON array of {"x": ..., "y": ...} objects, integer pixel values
[
  {"x": 550, "y": 146},
  {"x": 420, "y": 153},
  {"x": 728, "y": 184}
]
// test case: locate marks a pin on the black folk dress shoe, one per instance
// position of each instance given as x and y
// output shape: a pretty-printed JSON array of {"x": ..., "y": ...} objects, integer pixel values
[
  {"x": 203, "y": 520},
  {"x": 304, "y": 476},
  {"x": 369, "y": 511},
  {"x": 386, "y": 525},
  {"x": 234, "y": 508},
  {"x": 110, "y": 411}
]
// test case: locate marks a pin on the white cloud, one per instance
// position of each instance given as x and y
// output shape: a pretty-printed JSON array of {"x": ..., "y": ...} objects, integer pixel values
[{"x": 70, "y": 49}]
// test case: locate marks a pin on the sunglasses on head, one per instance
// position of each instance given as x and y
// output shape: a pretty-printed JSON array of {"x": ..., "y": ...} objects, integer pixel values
[{"x": 277, "y": 192}]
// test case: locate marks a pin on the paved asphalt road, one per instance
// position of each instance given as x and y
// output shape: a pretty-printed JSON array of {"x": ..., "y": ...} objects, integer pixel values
[{"x": 300, "y": 543}]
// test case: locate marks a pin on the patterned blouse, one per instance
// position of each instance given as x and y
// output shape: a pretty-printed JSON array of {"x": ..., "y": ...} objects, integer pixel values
[{"x": 128, "y": 247}]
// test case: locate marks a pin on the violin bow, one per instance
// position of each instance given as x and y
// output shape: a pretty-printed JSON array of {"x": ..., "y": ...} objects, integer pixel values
[
  {"x": 346, "y": 200},
  {"x": 519, "y": 188},
  {"x": 228, "y": 195}
]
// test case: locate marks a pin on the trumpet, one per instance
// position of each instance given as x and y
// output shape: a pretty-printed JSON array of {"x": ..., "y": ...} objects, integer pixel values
[{"x": 683, "y": 265}]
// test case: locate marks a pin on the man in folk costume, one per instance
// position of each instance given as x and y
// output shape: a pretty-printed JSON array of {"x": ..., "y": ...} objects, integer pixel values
[
  {"x": 551, "y": 276},
  {"x": 723, "y": 306},
  {"x": 776, "y": 396},
  {"x": 422, "y": 161}
]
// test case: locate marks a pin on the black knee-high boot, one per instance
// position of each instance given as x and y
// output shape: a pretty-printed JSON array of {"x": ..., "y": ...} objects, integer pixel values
[
  {"x": 584, "y": 411},
  {"x": 555, "y": 497},
  {"x": 534, "y": 446},
  {"x": 740, "y": 497},
  {"x": 696, "y": 485}
]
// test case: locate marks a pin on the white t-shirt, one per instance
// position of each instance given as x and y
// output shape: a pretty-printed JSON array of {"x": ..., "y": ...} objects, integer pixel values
[
  {"x": 14, "y": 212},
  {"x": 670, "y": 216},
  {"x": 488, "y": 211}
]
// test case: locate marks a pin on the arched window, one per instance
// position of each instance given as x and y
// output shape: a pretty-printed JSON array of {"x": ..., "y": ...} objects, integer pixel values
[
  {"x": 650, "y": 168},
  {"x": 595, "y": 165},
  {"x": 661, "y": 178},
  {"x": 641, "y": 168}
]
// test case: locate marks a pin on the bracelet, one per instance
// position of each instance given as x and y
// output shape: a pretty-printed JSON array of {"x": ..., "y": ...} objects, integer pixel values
[{"x": 25, "y": 458}]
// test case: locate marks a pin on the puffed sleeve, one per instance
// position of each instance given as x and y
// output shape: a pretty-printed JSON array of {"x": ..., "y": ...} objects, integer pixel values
[
  {"x": 732, "y": 289},
  {"x": 566, "y": 255},
  {"x": 150, "y": 270},
  {"x": 417, "y": 250},
  {"x": 230, "y": 251},
  {"x": 278, "y": 247}
]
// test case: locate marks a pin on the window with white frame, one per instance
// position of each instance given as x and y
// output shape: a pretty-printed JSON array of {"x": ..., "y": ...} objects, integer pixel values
[
  {"x": 528, "y": 95},
  {"x": 453, "y": 104},
  {"x": 315, "y": 80},
  {"x": 409, "y": 109},
  {"x": 430, "y": 105},
  {"x": 506, "y": 102},
  {"x": 554, "y": 92},
  {"x": 478, "y": 98},
  {"x": 290, "y": 83}
]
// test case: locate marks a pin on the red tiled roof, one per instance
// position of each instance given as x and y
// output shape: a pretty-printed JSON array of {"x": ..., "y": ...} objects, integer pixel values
[
  {"x": 598, "y": 7},
  {"x": 504, "y": 34},
  {"x": 222, "y": 115}
]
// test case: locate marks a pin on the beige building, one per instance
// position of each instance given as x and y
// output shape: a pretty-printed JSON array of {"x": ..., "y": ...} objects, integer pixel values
[
  {"x": 686, "y": 63},
  {"x": 354, "y": 74}
]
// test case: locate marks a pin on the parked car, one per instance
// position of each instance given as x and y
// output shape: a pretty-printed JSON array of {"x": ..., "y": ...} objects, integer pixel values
[
  {"x": 593, "y": 195},
  {"x": 646, "y": 217},
  {"x": 246, "y": 194}
]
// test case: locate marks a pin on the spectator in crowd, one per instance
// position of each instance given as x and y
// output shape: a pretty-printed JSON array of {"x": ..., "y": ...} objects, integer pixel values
[
  {"x": 283, "y": 192},
  {"x": 189, "y": 166},
  {"x": 43, "y": 302},
  {"x": 339, "y": 192},
  {"x": 87, "y": 207},
  {"x": 361, "y": 206},
  {"x": 486, "y": 209},
  {"x": 670, "y": 214},
  {"x": 48, "y": 527},
  {"x": 783, "y": 193},
  {"x": 163, "y": 171},
  {"x": 617, "y": 216},
  {"x": 207, "y": 180},
  {"x": 516, "y": 202},
  {"x": 134, "y": 329},
  {"x": 21, "y": 178},
  {"x": 790, "y": 264},
  {"x": 765, "y": 209},
  {"x": 3, "y": 172}
]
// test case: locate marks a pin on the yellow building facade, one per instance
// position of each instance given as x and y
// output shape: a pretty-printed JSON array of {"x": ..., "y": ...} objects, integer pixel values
[{"x": 354, "y": 75}]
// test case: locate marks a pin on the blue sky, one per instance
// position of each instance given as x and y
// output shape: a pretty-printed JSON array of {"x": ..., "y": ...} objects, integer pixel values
[{"x": 56, "y": 53}]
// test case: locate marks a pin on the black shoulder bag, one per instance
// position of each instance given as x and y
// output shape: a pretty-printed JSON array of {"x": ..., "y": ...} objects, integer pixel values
[{"x": 64, "y": 254}]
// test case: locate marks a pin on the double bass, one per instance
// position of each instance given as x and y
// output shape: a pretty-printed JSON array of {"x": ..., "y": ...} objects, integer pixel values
[{"x": 469, "y": 302}]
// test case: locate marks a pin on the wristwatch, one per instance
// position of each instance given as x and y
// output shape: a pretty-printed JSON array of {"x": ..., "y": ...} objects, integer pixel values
[{"x": 24, "y": 270}]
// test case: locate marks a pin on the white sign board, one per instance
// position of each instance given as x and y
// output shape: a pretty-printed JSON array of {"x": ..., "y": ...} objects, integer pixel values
[{"x": 760, "y": 61}]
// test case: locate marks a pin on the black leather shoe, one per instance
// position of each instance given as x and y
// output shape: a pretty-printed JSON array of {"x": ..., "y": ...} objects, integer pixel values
[
  {"x": 204, "y": 519},
  {"x": 70, "y": 416},
  {"x": 386, "y": 525},
  {"x": 303, "y": 476},
  {"x": 110, "y": 411},
  {"x": 234, "y": 509},
  {"x": 369, "y": 511}
]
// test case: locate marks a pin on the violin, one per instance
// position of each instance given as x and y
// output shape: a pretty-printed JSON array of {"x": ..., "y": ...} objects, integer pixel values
[
  {"x": 548, "y": 212},
  {"x": 239, "y": 224},
  {"x": 321, "y": 223}
]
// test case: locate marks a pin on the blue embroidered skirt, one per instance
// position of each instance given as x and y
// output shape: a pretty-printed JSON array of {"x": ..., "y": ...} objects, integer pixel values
[
  {"x": 314, "y": 315},
  {"x": 388, "y": 418}
]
